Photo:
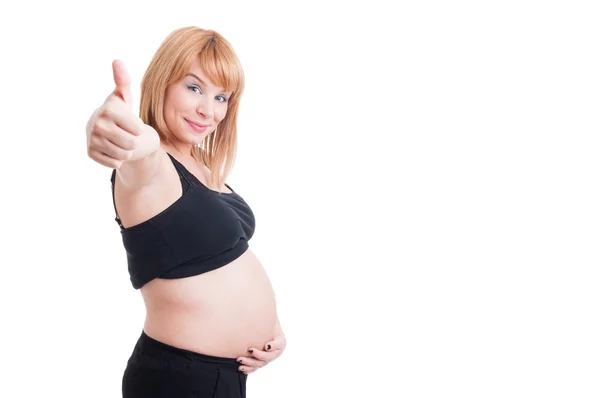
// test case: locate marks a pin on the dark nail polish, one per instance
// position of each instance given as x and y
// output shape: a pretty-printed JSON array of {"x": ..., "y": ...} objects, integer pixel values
[
  {"x": 239, "y": 361},
  {"x": 250, "y": 351},
  {"x": 268, "y": 346}
]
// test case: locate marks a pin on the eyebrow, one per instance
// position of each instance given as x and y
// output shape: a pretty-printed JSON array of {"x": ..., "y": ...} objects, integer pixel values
[{"x": 202, "y": 81}]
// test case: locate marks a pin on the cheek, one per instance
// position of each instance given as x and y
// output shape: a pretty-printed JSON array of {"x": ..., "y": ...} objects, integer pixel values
[
  {"x": 169, "y": 114},
  {"x": 172, "y": 114},
  {"x": 168, "y": 106},
  {"x": 221, "y": 113},
  {"x": 180, "y": 101}
]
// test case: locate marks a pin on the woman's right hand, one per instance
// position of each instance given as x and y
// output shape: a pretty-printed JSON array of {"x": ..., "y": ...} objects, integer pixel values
[{"x": 114, "y": 133}]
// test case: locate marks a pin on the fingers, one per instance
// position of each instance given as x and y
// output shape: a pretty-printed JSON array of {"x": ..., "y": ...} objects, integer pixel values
[
  {"x": 105, "y": 160},
  {"x": 251, "y": 362},
  {"x": 108, "y": 129},
  {"x": 122, "y": 82},
  {"x": 110, "y": 149},
  {"x": 277, "y": 344},
  {"x": 109, "y": 144},
  {"x": 112, "y": 134},
  {"x": 263, "y": 355},
  {"x": 124, "y": 118},
  {"x": 246, "y": 369},
  {"x": 120, "y": 138},
  {"x": 259, "y": 358},
  {"x": 113, "y": 128}
]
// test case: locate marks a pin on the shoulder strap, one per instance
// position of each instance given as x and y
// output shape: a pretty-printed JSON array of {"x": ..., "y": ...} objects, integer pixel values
[
  {"x": 188, "y": 176},
  {"x": 112, "y": 181},
  {"x": 185, "y": 176}
]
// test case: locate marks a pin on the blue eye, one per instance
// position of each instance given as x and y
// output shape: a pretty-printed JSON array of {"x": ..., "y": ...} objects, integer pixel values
[
  {"x": 192, "y": 87},
  {"x": 197, "y": 89}
]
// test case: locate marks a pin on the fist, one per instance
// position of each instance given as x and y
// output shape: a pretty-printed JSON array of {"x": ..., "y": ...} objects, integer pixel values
[{"x": 114, "y": 133}]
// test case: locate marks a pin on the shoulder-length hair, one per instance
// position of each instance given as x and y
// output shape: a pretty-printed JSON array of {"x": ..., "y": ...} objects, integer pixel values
[{"x": 218, "y": 61}]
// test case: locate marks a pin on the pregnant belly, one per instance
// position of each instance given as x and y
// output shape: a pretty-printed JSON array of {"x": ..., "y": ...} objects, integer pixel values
[{"x": 221, "y": 312}]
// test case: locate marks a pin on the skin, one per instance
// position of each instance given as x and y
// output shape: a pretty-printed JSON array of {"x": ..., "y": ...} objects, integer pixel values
[
  {"x": 116, "y": 136},
  {"x": 195, "y": 98}
]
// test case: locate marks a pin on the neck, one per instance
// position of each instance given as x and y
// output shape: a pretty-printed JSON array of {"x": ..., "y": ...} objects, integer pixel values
[{"x": 178, "y": 148}]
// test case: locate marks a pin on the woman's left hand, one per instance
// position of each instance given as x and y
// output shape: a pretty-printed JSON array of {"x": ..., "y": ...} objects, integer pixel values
[{"x": 259, "y": 358}]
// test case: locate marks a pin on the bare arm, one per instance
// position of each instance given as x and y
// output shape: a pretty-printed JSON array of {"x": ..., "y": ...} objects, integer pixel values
[{"x": 142, "y": 171}]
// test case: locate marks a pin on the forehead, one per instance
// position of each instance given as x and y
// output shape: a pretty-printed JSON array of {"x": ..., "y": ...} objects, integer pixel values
[{"x": 196, "y": 70}]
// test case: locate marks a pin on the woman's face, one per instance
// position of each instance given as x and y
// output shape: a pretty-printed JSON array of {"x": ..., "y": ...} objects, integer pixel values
[{"x": 194, "y": 106}]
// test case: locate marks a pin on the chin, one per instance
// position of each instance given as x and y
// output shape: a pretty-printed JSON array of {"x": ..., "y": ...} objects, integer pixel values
[{"x": 191, "y": 138}]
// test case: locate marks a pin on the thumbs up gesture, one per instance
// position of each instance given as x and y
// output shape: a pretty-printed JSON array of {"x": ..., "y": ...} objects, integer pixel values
[{"x": 114, "y": 133}]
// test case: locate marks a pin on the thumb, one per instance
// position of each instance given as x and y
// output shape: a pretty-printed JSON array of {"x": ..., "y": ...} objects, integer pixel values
[{"x": 122, "y": 82}]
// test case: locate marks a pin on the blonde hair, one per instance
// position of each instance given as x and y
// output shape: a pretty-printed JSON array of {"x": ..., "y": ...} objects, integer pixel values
[{"x": 218, "y": 61}]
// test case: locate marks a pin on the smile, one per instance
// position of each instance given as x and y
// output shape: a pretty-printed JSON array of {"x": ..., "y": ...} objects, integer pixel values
[{"x": 196, "y": 127}]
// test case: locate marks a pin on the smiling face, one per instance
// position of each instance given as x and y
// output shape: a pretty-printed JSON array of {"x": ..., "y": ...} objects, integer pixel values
[{"x": 194, "y": 107}]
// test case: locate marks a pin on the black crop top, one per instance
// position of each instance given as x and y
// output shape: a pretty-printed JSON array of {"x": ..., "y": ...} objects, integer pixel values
[{"x": 203, "y": 230}]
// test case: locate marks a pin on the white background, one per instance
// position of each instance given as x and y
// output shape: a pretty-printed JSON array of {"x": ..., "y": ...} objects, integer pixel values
[{"x": 424, "y": 177}]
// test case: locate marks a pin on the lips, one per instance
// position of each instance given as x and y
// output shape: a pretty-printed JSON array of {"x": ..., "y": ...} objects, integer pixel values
[{"x": 197, "y": 127}]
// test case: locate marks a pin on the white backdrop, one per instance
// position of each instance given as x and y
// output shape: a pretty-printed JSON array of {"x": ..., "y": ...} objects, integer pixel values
[{"x": 424, "y": 177}]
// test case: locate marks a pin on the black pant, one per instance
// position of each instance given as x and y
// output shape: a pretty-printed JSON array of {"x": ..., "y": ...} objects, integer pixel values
[{"x": 157, "y": 370}]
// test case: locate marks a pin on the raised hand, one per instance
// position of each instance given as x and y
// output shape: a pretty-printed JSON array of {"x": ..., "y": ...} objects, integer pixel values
[{"x": 114, "y": 133}]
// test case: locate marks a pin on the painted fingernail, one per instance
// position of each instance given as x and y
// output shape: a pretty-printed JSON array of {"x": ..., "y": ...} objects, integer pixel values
[
  {"x": 268, "y": 346},
  {"x": 239, "y": 361},
  {"x": 250, "y": 351}
]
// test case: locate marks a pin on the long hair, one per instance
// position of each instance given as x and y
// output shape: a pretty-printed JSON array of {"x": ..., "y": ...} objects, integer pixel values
[{"x": 218, "y": 61}]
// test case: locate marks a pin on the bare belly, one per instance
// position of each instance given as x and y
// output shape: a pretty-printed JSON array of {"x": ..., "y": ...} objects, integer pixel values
[{"x": 221, "y": 312}]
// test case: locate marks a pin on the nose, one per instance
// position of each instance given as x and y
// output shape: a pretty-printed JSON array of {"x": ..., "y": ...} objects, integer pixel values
[{"x": 206, "y": 108}]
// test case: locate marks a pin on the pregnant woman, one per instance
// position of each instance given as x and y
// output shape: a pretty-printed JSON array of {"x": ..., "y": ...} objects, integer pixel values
[{"x": 211, "y": 316}]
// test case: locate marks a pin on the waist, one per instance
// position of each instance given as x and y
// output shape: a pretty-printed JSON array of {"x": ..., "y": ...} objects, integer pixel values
[
  {"x": 149, "y": 346},
  {"x": 221, "y": 312}
]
